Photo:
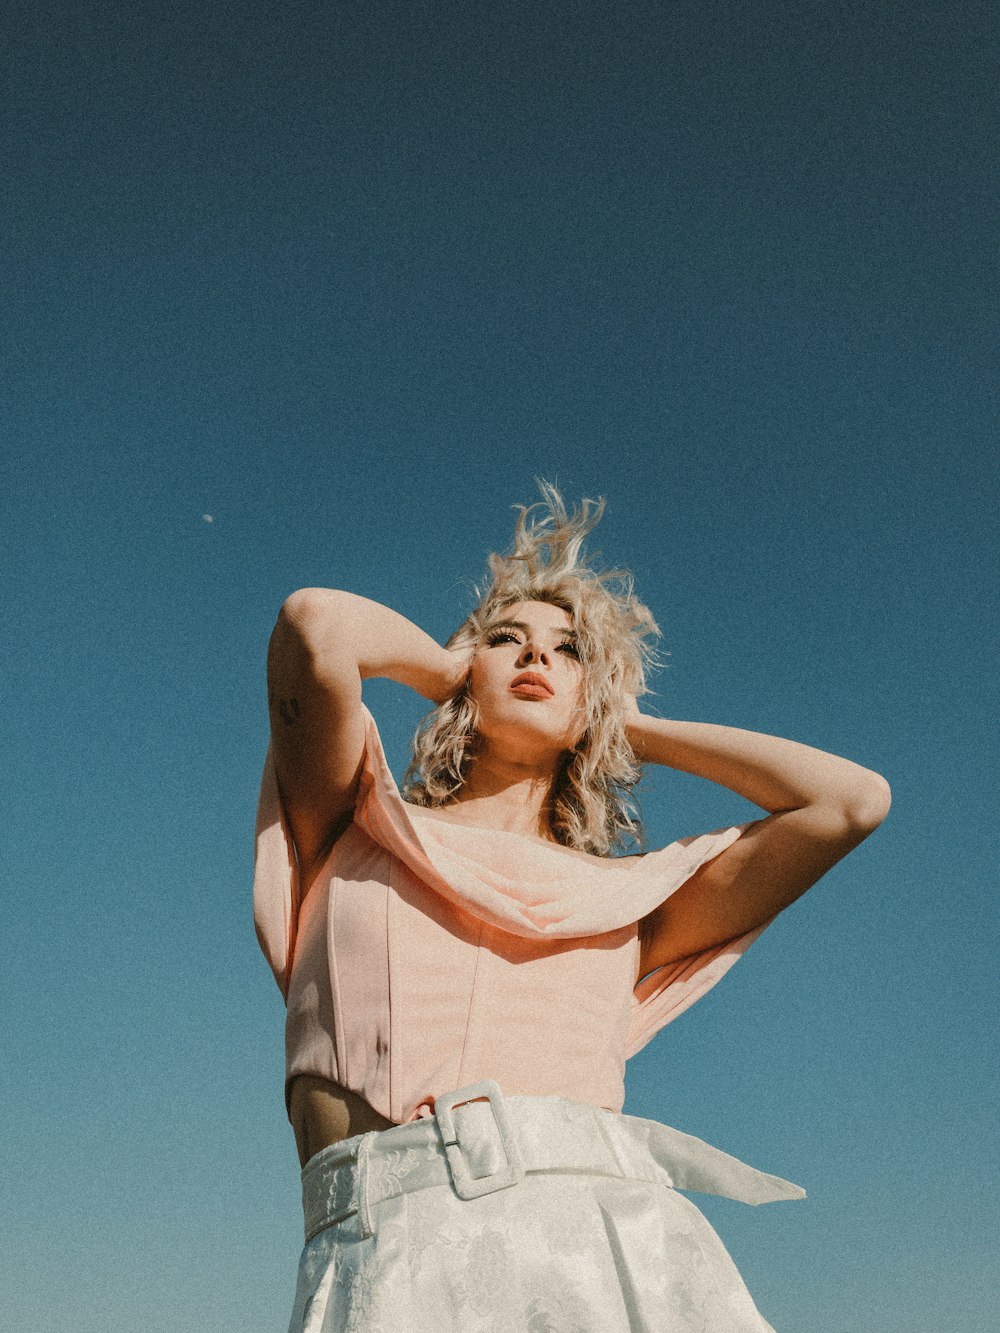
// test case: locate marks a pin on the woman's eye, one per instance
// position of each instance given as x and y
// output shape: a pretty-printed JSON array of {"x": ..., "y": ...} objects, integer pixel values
[{"x": 506, "y": 636}]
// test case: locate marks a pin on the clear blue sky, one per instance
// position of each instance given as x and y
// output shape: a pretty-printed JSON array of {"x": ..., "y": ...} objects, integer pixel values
[{"x": 308, "y": 294}]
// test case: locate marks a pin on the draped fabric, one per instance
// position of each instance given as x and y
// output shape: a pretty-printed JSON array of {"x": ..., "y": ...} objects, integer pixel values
[{"x": 430, "y": 953}]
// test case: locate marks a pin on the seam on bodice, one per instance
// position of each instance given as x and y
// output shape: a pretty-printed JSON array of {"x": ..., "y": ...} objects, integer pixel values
[{"x": 480, "y": 951}]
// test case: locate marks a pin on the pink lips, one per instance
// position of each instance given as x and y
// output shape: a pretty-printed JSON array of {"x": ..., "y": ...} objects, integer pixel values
[{"x": 532, "y": 685}]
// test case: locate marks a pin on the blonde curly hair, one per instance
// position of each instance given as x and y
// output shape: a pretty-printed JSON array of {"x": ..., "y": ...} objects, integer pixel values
[{"x": 594, "y": 809}]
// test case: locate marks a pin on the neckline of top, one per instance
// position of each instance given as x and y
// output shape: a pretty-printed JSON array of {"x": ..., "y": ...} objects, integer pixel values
[{"x": 586, "y": 858}]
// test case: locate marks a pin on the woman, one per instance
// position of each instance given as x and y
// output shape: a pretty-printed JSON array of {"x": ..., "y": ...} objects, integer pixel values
[{"x": 468, "y": 965}]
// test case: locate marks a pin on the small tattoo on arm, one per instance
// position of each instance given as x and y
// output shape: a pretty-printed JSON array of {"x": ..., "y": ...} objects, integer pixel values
[{"x": 288, "y": 710}]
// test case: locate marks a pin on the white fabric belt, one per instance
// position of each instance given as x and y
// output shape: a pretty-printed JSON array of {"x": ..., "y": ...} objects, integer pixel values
[{"x": 478, "y": 1146}]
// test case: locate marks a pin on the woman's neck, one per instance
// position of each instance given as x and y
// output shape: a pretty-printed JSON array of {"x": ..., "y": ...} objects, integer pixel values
[{"x": 500, "y": 793}]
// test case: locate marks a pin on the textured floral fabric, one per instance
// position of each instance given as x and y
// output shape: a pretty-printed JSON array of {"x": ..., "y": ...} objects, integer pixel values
[{"x": 593, "y": 1238}]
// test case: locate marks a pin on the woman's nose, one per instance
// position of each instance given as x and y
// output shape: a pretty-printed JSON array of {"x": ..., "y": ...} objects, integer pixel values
[{"x": 533, "y": 653}]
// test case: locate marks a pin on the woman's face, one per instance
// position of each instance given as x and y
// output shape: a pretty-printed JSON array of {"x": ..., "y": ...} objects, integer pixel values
[{"x": 527, "y": 680}]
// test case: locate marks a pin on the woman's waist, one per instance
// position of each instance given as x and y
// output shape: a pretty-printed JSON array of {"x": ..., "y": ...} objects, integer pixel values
[
  {"x": 325, "y": 1107},
  {"x": 480, "y": 1140},
  {"x": 324, "y": 1113}
]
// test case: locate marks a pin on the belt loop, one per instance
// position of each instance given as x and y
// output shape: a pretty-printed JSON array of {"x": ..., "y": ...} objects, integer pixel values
[{"x": 363, "y": 1179}]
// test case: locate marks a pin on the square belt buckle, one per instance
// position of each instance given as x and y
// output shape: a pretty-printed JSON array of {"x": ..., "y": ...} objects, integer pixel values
[{"x": 466, "y": 1186}]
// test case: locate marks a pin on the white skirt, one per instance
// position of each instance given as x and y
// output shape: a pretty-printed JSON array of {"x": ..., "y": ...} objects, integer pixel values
[{"x": 522, "y": 1215}]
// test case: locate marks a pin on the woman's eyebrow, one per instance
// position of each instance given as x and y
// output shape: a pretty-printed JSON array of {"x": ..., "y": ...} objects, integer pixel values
[{"x": 520, "y": 625}]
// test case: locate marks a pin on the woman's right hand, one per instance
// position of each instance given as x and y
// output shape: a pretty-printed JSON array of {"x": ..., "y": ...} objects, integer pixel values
[
  {"x": 456, "y": 664},
  {"x": 326, "y": 642}
]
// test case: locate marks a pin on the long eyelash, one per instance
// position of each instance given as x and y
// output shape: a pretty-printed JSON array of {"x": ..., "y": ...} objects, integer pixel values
[{"x": 500, "y": 635}]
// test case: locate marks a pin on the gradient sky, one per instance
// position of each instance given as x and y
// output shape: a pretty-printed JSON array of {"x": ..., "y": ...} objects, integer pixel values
[{"x": 309, "y": 294}]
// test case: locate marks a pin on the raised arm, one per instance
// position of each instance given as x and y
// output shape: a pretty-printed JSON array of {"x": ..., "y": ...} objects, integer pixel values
[
  {"x": 325, "y": 643},
  {"x": 820, "y": 807}
]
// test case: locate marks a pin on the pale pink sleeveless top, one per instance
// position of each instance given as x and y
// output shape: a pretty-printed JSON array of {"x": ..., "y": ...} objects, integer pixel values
[{"x": 428, "y": 955}]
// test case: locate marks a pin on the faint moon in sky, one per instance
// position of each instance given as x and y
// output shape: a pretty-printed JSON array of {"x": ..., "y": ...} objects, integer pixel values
[{"x": 207, "y": 518}]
